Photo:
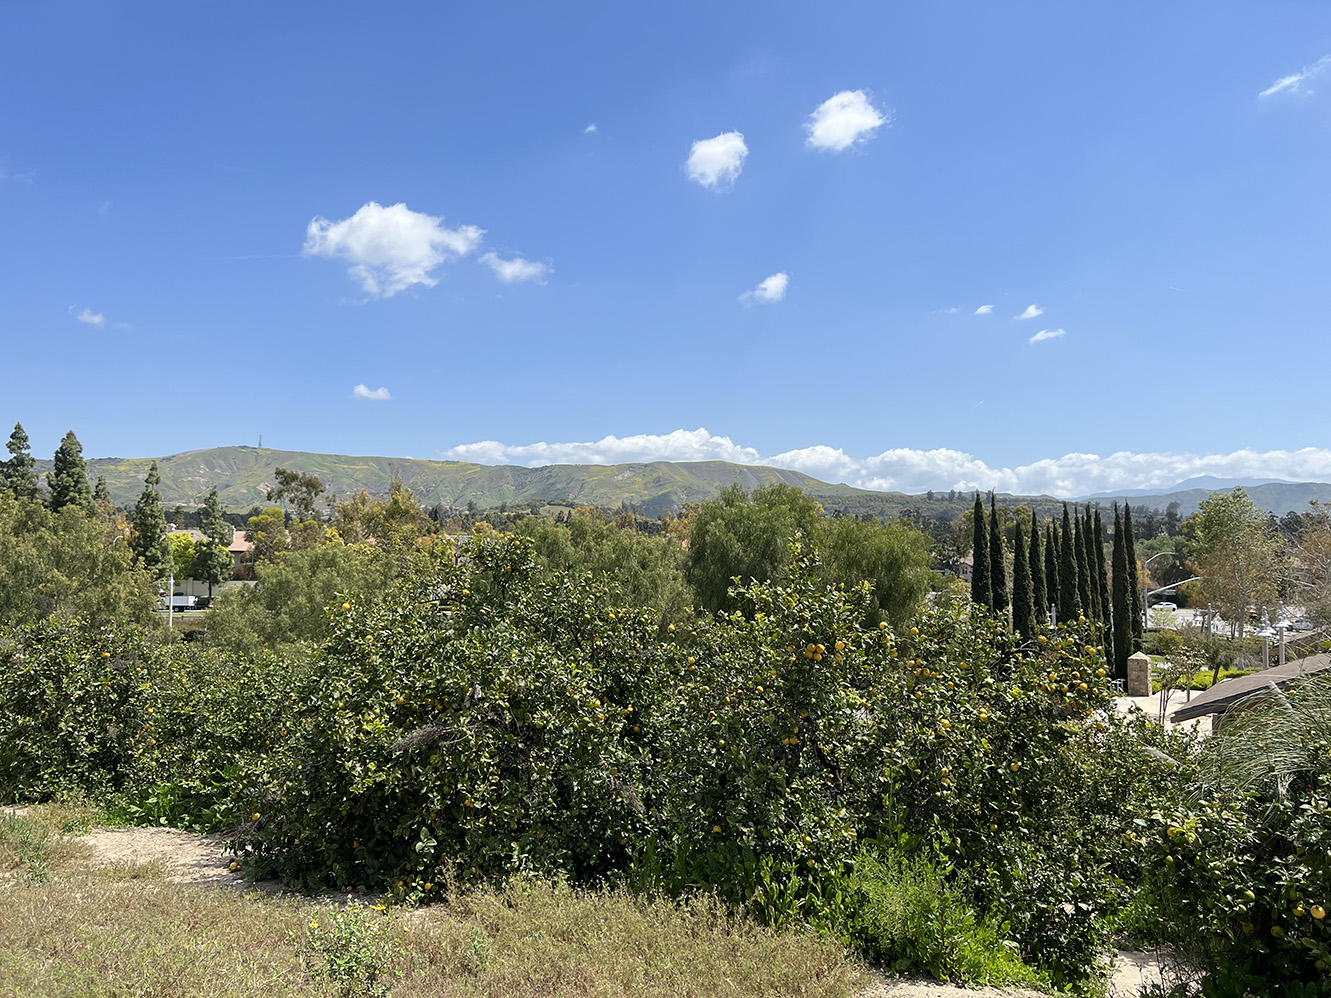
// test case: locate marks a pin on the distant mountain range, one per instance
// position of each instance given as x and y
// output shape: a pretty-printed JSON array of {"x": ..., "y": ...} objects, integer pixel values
[
  {"x": 241, "y": 476},
  {"x": 1207, "y": 483}
]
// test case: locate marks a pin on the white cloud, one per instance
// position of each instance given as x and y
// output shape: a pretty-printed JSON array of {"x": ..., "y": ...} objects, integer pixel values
[
  {"x": 984, "y": 310},
  {"x": 1047, "y": 334},
  {"x": 769, "y": 290},
  {"x": 842, "y": 120},
  {"x": 390, "y": 249},
  {"x": 590, "y": 129},
  {"x": 915, "y": 471},
  {"x": 715, "y": 163},
  {"x": 1031, "y": 312},
  {"x": 1295, "y": 81},
  {"x": 516, "y": 270},
  {"x": 88, "y": 315},
  {"x": 371, "y": 394},
  {"x": 681, "y": 445}
]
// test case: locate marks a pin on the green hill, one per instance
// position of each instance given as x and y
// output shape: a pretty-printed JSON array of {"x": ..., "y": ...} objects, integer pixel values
[{"x": 242, "y": 475}]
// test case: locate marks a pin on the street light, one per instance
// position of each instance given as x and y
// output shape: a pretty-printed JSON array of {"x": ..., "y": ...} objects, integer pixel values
[
  {"x": 1146, "y": 596},
  {"x": 1282, "y": 625},
  {"x": 1266, "y": 634}
]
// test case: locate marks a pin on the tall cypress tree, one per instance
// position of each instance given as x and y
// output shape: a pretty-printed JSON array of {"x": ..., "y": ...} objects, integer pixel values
[
  {"x": 1069, "y": 602},
  {"x": 1023, "y": 603},
  {"x": 1051, "y": 585},
  {"x": 1123, "y": 583},
  {"x": 1134, "y": 591},
  {"x": 1035, "y": 559},
  {"x": 1098, "y": 567},
  {"x": 149, "y": 540},
  {"x": 19, "y": 476},
  {"x": 1084, "y": 593},
  {"x": 981, "y": 587},
  {"x": 100, "y": 492},
  {"x": 997, "y": 561},
  {"x": 69, "y": 476}
]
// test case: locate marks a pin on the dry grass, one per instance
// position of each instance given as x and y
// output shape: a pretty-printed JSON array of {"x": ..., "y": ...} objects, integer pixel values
[
  {"x": 127, "y": 931},
  {"x": 32, "y": 845}
]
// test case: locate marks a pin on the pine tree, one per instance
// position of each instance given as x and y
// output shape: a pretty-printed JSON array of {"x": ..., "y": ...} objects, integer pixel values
[
  {"x": 100, "y": 492},
  {"x": 1023, "y": 604},
  {"x": 149, "y": 540},
  {"x": 69, "y": 476},
  {"x": 1035, "y": 559},
  {"x": 1052, "y": 589},
  {"x": 981, "y": 587},
  {"x": 1134, "y": 592},
  {"x": 1098, "y": 568},
  {"x": 212, "y": 521},
  {"x": 1069, "y": 603},
  {"x": 213, "y": 561},
  {"x": 1085, "y": 594},
  {"x": 997, "y": 562},
  {"x": 1122, "y": 585},
  {"x": 19, "y": 476}
]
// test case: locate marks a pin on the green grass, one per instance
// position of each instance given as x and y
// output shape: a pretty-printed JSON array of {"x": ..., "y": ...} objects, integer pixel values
[
  {"x": 128, "y": 930},
  {"x": 1202, "y": 680}
]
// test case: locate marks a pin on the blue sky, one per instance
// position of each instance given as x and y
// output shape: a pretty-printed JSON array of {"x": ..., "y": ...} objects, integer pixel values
[{"x": 607, "y": 232}]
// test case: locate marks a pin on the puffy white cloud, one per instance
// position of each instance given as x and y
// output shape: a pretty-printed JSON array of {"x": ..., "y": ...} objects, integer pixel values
[
  {"x": 590, "y": 129},
  {"x": 715, "y": 163},
  {"x": 390, "y": 249},
  {"x": 1295, "y": 81},
  {"x": 769, "y": 290},
  {"x": 87, "y": 315},
  {"x": 914, "y": 471},
  {"x": 370, "y": 394},
  {"x": 1047, "y": 334},
  {"x": 516, "y": 270},
  {"x": 1031, "y": 312},
  {"x": 842, "y": 120},
  {"x": 985, "y": 310},
  {"x": 681, "y": 445}
]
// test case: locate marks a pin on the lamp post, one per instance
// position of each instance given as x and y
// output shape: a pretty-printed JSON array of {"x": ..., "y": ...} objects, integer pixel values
[
  {"x": 1282, "y": 625},
  {"x": 1266, "y": 634},
  {"x": 1146, "y": 596}
]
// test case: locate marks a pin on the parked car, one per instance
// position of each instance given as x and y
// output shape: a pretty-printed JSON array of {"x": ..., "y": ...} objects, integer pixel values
[{"x": 1163, "y": 606}]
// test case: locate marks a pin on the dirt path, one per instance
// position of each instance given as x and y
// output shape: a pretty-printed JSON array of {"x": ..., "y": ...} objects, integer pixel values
[{"x": 202, "y": 859}]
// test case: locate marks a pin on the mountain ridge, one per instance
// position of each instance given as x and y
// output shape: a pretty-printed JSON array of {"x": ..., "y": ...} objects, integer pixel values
[{"x": 242, "y": 474}]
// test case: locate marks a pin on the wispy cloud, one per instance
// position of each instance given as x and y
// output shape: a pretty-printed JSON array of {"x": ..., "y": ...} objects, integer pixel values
[
  {"x": 87, "y": 315},
  {"x": 1047, "y": 334},
  {"x": 843, "y": 120},
  {"x": 390, "y": 249},
  {"x": 1294, "y": 83},
  {"x": 985, "y": 310},
  {"x": 370, "y": 394},
  {"x": 516, "y": 270},
  {"x": 26, "y": 177},
  {"x": 716, "y": 162},
  {"x": 590, "y": 129},
  {"x": 1031, "y": 312},
  {"x": 769, "y": 290},
  {"x": 911, "y": 470}
]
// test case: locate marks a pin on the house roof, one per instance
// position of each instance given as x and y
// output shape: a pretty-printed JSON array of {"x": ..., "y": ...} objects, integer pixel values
[
  {"x": 1222, "y": 696},
  {"x": 240, "y": 543}
]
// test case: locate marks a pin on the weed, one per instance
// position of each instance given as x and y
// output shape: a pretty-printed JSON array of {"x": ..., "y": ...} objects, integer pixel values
[{"x": 352, "y": 951}]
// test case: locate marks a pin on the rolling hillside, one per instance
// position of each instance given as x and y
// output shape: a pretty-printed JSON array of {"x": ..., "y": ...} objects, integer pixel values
[{"x": 242, "y": 474}]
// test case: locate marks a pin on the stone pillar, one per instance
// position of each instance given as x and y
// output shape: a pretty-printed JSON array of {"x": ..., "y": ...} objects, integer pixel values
[{"x": 1139, "y": 675}]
